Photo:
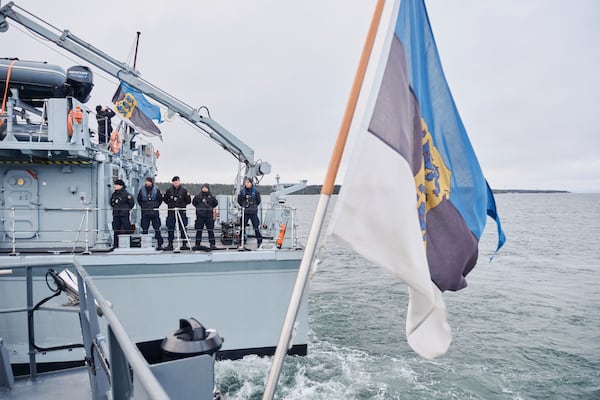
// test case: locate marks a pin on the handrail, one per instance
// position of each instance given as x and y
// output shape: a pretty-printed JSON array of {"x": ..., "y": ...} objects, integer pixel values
[
  {"x": 90, "y": 297},
  {"x": 34, "y": 130},
  {"x": 188, "y": 208},
  {"x": 132, "y": 354},
  {"x": 84, "y": 232}
]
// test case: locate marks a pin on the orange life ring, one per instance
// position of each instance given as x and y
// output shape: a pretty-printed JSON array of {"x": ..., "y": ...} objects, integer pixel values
[
  {"x": 115, "y": 142},
  {"x": 157, "y": 153},
  {"x": 77, "y": 115},
  {"x": 281, "y": 235},
  {"x": 70, "y": 123}
]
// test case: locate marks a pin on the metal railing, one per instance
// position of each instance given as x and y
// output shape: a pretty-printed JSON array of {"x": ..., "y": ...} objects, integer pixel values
[
  {"x": 85, "y": 233},
  {"x": 108, "y": 366},
  {"x": 81, "y": 232}
]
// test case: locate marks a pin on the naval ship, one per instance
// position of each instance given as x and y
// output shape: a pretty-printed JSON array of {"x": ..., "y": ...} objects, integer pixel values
[{"x": 56, "y": 180}]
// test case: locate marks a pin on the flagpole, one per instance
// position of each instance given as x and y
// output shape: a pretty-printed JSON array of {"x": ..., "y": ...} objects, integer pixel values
[{"x": 326, "y": 191}]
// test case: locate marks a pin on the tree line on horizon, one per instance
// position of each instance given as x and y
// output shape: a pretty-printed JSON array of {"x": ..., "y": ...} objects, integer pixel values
[
  {"x": 227, "y": 189},
  {"x": 220, "y": 188}
]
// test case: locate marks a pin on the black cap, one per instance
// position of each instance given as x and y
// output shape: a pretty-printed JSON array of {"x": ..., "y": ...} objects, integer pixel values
[
  {"x": 175, "y": 178},
  {"x": 205, "y": 185},
  {"x": 119, "y": 182},
  {"x": 149, "y": 179}
]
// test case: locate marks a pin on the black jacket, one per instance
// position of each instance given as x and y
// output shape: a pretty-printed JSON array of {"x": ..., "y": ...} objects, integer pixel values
[
  {"x": 177, "y": 198},
  {"x": 150, "y": 200},
  {"x": 121, "y": 202},
  {"x": 104, "y": 123},
  {"x": 249, "y": 199},
  {"x": 204, "y": 203}
]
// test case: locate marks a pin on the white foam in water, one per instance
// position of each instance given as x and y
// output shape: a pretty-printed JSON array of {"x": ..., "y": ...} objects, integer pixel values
[
  {"x": 525, "y": 327},
  {"x": 327, "y": 372},
  {"x": 242, "y": 379}
]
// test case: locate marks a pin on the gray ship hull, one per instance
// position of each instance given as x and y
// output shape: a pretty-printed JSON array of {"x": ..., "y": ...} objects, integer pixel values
[{"x": 242, "y": 294}]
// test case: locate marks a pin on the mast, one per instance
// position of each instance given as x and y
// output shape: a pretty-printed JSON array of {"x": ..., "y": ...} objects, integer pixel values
[{"x": 137, "y": 42}]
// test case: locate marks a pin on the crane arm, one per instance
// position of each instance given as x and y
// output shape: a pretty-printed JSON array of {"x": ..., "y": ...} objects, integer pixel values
[{"x": 131, "y": 76}]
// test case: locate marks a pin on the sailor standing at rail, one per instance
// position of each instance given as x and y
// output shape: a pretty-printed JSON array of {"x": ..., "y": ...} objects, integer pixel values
[
  {"x": 150, "y": 198},
  {"x": 249, "y": 199},
  {"x": 205, "y": 203},
  {"x": 121, "y": 202},
  {"x": 176, "y": 197}
]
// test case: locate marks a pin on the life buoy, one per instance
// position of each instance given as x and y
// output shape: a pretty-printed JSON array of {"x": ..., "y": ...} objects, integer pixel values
[
  {"x": 70, "y": 123},
  {"x": 157, "y": 153},
  {"x": 281, "y": 235},
  {"x": 115, "y": 142},
  {"x": 76, "y": 115}
]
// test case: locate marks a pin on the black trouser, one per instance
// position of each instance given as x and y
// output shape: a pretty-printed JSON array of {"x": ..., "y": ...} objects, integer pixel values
[
  {"x": 254, "y": 219},
  {"x": 147, "y": 218},
  {"x": 171, "y": 225},
  {"x": 209, "y": 222},
  {"x": 121, "y": 225}
]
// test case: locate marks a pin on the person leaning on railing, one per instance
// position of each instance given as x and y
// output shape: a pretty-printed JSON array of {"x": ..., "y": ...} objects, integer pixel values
[
  {"x": 121, "y": 202},
  {"x": 103, "y": 116}
]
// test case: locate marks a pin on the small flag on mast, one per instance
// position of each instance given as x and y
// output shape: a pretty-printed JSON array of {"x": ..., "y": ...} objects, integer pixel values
[
  {"x": 427, "y": 196},
  {"x": 135, "y": 109}
]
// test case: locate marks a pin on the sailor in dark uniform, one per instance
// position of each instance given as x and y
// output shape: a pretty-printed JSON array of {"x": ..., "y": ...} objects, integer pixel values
[
  {"x": 249, "y": 199},
  {"x": 178, "y": 197},
  {"x": 121, "y": 202},
  {"x": 150, "y": 198},
  {"x": 205, "y": 204}
]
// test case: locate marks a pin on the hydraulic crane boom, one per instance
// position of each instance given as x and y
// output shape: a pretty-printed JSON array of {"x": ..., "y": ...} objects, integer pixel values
[{"x": 125, "y": 73}]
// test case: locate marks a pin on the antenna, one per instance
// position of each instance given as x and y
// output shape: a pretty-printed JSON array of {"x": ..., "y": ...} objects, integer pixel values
[{"x": 137, "y": 42}]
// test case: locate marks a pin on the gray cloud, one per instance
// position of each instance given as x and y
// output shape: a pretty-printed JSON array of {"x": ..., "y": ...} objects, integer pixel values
[{"x": 277, "y": 75}]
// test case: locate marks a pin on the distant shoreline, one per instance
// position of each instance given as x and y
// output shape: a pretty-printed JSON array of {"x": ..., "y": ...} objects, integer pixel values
[
  {"x": 503, "y": 191},
  {"x": 220, "y": 188}
]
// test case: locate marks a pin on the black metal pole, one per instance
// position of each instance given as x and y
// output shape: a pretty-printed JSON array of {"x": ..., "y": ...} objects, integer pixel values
[{"x": 137, "y": 42}]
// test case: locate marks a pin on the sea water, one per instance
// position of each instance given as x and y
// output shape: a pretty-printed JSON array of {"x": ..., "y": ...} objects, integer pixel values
[{"x": 526, "y": 327}]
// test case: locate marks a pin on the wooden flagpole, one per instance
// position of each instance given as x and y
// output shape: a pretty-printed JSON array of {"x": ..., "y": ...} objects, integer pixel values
[{"x": 305, "y": 265}]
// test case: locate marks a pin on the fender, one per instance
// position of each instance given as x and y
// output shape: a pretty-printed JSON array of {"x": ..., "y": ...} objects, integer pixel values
[
  {"x": 281, "y": 235},
  {"x": 115, "y": 142}
]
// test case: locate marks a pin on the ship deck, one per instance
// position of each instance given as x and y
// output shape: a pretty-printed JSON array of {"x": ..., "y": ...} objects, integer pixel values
[{"x": 66, "y": 384}]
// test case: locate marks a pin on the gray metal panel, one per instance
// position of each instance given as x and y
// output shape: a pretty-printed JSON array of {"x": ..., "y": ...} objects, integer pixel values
[
  {"x": 7, "y": 379},
  {"x": 245, "y": 300},
  {"x": 20, "y": 212},
  {"x": 187, "y": 378},
  {"x": 69, "y": 384},
  {"x": 57, "y": 115}
]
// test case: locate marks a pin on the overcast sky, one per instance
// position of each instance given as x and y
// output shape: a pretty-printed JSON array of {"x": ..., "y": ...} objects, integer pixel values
[{"x": 277, "y": 74}]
